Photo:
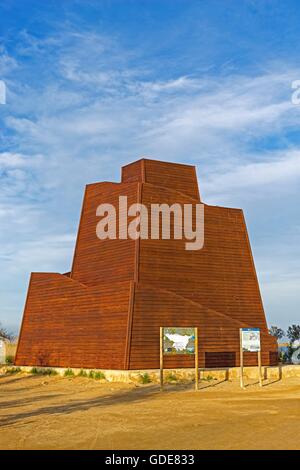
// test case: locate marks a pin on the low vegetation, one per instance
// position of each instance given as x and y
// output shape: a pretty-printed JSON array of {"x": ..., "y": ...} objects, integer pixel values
[
  {"x": 99, "y": 376},
  {"x": 9, "y": 360},
  {"x": 83, "y": 373},
  {"x": 171, "y": 377},
  {"x": 38, "y": 371},
  {"x": 145, "y": 378},
  {"x": 13, "y": 370},
  {"x": 69, "y": 373},
  {"x": 208, "y": 378},
  {"x": 96, "y": 375}
]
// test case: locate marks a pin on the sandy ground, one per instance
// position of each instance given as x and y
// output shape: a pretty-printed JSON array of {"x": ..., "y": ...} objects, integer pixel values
[{"x": 78, "y": 413}]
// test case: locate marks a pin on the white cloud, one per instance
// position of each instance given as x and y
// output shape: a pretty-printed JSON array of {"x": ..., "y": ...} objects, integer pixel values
[
  {"x": 280, "y": 167},
  {"x": 7, "y": 63},
  {"x": 11, "y": 160},
  {"x": 43, "y": 254}
]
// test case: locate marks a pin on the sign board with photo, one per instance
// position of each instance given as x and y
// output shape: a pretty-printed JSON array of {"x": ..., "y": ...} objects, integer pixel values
[
  {"x": 250, "y": 342},
  {"x": 250, "y": 339}
]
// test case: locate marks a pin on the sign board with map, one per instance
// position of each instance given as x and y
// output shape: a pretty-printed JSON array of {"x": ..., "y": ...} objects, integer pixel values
[
  {"x": 179, "y": 340},
  {"x": 250, "y": 339}
]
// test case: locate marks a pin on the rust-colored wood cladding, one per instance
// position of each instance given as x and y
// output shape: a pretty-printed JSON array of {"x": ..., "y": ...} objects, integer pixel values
[
  {"x": 181, "y": 178},
  {"x": 217, "y": 332},
  {"x": 97, "y": 261},
  {"x": 220, "y": 276},
  {"x": 67, "y": 324},
  {"x": 134, "y": 172},
  {"x": 107, "y": 311}
]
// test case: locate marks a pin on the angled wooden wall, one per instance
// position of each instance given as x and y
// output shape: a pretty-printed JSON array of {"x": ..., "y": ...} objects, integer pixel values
[{"x": 67, "y": 324}]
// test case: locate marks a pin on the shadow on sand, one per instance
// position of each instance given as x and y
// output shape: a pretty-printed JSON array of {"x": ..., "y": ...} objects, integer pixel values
[{"x": 129, "y": 396}]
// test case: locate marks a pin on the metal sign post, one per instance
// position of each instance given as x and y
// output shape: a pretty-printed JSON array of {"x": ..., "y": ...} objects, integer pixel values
[
  {"x": 241, "y": 360},
  {"x": 259, "y": 367},
  {"x": 161, "y": 361},
  {"x": 196, "y": 361}
]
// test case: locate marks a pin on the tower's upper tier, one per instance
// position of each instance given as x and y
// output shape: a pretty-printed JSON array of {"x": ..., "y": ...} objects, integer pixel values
[{"x": 180, "y": 177}]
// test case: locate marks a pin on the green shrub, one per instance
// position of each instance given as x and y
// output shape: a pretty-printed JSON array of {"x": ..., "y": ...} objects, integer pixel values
[
  {"x": 145, "y": 378},
  {"x": 171, "y": 378},
  {"x": 37, "y": 371},
  {"x": 99, "y": 376},
  {"x": 82, "y": 373},
  {"x": 14, "y": 370},
  {"x": 49, "y": 372},
  {"x": 69, "y": 373},
  {"x": 208, "y": 378},
  {"x": 9, "y": 360}
]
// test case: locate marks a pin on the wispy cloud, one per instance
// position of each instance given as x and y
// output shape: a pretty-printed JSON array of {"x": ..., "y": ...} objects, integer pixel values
[
  {"x": 7, "y": 62},
  {"x": 280, "y": 168}
]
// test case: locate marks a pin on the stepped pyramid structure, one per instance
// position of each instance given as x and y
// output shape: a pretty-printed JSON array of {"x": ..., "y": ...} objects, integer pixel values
[{"x": 106, "y": 313}]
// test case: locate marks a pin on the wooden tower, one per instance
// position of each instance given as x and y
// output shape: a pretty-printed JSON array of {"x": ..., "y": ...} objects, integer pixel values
[{"x": 107, "y": 311}]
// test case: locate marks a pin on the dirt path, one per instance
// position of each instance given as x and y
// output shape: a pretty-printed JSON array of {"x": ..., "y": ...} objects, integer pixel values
[{"x": 78, "y": 413}]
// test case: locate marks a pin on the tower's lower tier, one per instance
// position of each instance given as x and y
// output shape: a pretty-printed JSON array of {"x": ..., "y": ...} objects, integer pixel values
[{"x": 116, "y": 326}]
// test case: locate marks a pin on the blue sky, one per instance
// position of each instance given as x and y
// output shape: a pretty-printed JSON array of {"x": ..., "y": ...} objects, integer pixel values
[{"x": 92, "y": 85}]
